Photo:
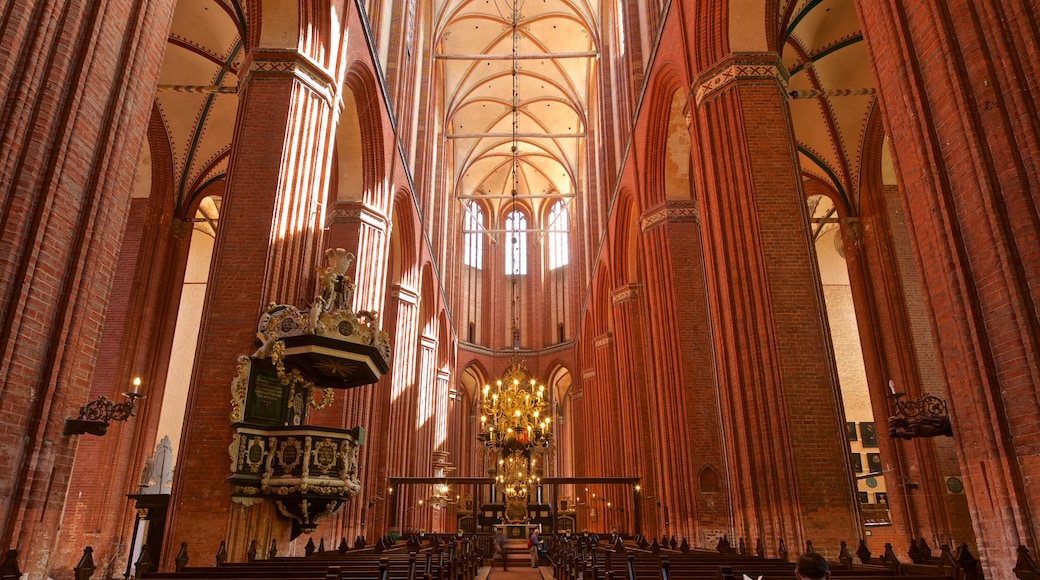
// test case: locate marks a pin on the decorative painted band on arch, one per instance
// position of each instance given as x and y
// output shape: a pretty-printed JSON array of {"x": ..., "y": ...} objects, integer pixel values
[
  {"x": 669, "y": 212},
  {"x": 271, "y": 63},
  {"x": 739, "y": 67}
]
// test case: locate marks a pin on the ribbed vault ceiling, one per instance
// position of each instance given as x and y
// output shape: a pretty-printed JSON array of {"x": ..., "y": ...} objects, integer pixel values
[
  {"x": 556, "y": 47},
  {"x": 558, "y": 42}
]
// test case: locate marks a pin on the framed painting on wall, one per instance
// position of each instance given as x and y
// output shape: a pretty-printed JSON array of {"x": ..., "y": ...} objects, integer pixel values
[
  {"x": 869, "y": 433},
  {"x": 874, "y": 462}
]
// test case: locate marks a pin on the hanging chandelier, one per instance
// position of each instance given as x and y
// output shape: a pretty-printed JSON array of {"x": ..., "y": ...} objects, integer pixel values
[
  {"x": 513, "y": 416},
  {"x": 514, "y": 422},
  {"x": 516, "y": 474}
]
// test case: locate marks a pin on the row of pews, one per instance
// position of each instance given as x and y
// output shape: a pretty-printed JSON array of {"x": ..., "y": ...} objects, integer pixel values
[
  {"x": 590, "y": 557},
  {"x": 427, "y": 557}
]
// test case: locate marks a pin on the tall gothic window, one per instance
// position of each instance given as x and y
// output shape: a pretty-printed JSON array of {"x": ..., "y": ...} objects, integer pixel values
[
  {"x": 558, "y": 223},
  {"x": 516, "y": 244},
  {"x": 473, "y": 240}
]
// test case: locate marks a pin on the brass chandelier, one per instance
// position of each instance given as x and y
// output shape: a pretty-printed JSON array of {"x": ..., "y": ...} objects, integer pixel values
[
  {"x": 514, "y": 419},
  {"x": 514, "y": 423},
  {"x": 513, "y": 416}
]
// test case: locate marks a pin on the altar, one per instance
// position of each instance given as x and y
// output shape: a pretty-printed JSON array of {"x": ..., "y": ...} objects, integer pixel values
[{"x": 519, "y": 531}]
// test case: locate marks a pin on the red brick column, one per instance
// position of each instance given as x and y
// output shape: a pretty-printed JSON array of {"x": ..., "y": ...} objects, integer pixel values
[
  {"x": 672, "y": 239},
  {"x": 789, "y": 472},
  {"x": 641, "y": 447},
  {"x": 898, "y": 346},
  {"x": 76, "y": 90},
  {"x": 958, "y": 82},
  {"x": 265, "y": 252},
  {"x": 400, "y": 431}
]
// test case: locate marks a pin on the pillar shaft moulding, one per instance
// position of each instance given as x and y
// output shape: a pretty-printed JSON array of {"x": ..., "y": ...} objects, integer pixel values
[
  {"x": 75, "y": 99},
  {"x": 265, "y": 253},
  {"x": 957, "y": 85},
  {"x": 788, "y": 466}
]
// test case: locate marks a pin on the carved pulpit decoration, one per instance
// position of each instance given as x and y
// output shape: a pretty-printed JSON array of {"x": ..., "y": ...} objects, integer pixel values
[{"x": 308, "y": 472}]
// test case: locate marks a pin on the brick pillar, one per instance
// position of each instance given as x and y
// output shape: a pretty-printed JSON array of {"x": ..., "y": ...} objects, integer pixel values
[
  {"x": 365, "y": 233},
  {"x": 641, "y": 450},
  {"x": 401, "y": 402},
  {"x": 788, "y": 469},
  {"x": 958, "y": 82},
  {"x": 605, "y": 401},
  {"x": 888, "y": 303},
  {"x": 136, "y": 342},
  {"x": 265, "y": 252},
  {"x": 75, "y": 95},
  {"x": 672, "y": 237}
]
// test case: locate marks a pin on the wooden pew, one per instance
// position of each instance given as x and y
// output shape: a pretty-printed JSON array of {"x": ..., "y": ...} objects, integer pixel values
[{"x": 457, "y": 560}]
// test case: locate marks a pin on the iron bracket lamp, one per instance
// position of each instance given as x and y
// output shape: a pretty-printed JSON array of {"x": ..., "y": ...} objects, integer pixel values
[
  {"x": 94, "y": 417},
  {"x": 924, "y": 417}
]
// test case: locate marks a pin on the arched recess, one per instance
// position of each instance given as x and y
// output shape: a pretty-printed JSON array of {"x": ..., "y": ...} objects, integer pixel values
[
  {"x": 349, "y": 178},
  {"x": 527, "y": 260},
  {"x": 559, "y": 383},
  {"x": 557, "y": 244},
  {"x": 402, "y": 266},
  {"x": 751, "y": 23},
  {"x": 274, "y": 24},
  {"x": 470, "y": 382},
  {"x": 429, "y": 395},
  {"x": 677, "y": 158},
  {"x": 306, "y": 26},
  {"x": 898, "y": 345},
  {"x": 361, "y": 106},
  {"x": 626, "y": 250},
  {"x": 476, "y": 263},
  {"x": 668, "y": 139}
]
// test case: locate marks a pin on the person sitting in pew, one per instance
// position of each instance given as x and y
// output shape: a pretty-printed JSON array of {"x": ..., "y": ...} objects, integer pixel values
[{"x": 811, "y": 566}]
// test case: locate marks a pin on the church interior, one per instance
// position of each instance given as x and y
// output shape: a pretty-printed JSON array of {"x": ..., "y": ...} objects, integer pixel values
[{"x": 277, "y": 272}]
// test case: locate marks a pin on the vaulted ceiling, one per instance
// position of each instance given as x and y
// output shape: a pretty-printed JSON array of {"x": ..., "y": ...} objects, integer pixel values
[
  {"x": 557, "y": 48},
  {"x": 554, "y": 51},
  {"x": 832, "y": 96}
]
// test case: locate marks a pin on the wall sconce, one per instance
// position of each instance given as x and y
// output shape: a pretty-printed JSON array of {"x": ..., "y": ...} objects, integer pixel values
[
  {"x": 94, "y": 416},
  {"x": 925, "y": 417}
]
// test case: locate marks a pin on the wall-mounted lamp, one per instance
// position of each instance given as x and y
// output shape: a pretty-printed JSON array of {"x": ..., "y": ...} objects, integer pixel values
[
  {"x": 94, "y": 416},
  {"x": 925, "y": 417}
]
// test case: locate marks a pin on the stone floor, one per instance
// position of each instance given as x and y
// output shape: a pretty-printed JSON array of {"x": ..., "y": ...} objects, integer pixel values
[{"x": 515, "y": 573}]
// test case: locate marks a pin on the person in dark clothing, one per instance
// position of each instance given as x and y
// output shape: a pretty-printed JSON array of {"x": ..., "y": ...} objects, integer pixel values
[
  {"x": 500, "y": 547},
  {"x": 811, "y": 566}
]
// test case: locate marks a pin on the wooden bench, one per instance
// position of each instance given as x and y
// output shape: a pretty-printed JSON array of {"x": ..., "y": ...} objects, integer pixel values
[{"x": 457, "y": 560}]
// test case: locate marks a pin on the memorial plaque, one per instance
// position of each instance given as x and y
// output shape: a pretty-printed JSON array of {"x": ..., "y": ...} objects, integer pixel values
[{"x": 267, "y": 399}]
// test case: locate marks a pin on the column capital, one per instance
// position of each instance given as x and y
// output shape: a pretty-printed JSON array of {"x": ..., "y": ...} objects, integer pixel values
[
  {"x": 404, "y": 294},
  {"x": 626, "y": 293},
  {"x": 740, "y": 67},
  {"x": 669, "y": 212},
  {"x": 283, "y": 64},
  {"x": 428, "y": 342},
  {"x": 359, "y": 213}
]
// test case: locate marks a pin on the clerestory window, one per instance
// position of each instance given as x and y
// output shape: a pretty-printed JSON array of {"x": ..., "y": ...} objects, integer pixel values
[
  {"x": 473, "y": 238},
  {"x": 516, "y": 244},
  {"x": 558, "y": 224}
]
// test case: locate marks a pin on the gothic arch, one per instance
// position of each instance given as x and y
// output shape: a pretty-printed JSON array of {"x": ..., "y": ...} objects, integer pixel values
[
  {"x": 665, "y": 88},
  {"x": 364, "y": 89},
  {"x": 403, "y": 268},
  {"x": 626, "y": 247}
]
